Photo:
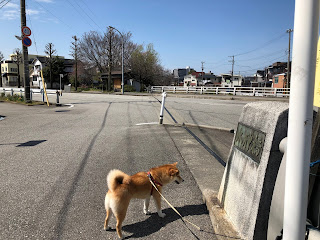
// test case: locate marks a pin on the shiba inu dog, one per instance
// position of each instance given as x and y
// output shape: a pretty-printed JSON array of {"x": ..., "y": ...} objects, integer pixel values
[{"x": 122, "y": 188}]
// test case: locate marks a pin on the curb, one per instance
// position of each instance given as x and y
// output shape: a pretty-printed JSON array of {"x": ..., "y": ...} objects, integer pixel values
[
  {"x": 231, "y": 130},
  {"x": 222, "y": 226}
]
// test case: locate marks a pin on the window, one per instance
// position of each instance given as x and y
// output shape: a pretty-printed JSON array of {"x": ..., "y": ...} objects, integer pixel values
[
  {"x": 14, "y": 69},
  {"x": 276, "y": 79}
]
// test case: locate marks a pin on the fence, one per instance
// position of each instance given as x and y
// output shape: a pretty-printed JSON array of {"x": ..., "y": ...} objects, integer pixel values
[
  {"x": 20, "y": 91},
  {"x": 243, "y": 91}
]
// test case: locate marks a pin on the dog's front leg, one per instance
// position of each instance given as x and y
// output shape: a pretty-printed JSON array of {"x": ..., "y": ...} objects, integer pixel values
[
  {"x": 157, "y": 199},
  {"x": 146, "y": 206}
]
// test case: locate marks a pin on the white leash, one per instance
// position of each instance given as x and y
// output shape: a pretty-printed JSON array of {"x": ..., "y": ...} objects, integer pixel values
[{"x": 183, "y": 219}]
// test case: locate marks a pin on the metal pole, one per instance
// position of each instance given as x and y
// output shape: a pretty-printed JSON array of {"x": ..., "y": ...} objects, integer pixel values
[
  {"x": 25, "y": 55},
  {"x": 288, "y": 64},
  {"x": 164, "y": 95},
  {"x": 300, "y": 118},
  {"x": 122, "y": 80},
  {"x": 122, "y": 77}
]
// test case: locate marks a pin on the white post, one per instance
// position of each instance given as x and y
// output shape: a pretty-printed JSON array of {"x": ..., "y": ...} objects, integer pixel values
[
  {"x": 305, "y": 36},
  {"x": 164, "y": 95},
  {"x": 61, "y": 76}
]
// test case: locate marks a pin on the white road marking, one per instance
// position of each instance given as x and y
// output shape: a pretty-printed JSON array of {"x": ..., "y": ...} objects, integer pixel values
[
  {"x": 150, "y": 123},
  {"x": 70, "y": 105}
]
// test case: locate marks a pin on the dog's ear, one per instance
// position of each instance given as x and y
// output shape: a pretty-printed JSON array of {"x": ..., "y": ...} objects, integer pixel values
[
  {"x": 172, "y": 171},
  {"x": 175, "y": 164}
]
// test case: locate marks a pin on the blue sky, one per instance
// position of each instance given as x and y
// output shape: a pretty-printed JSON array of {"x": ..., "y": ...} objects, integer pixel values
[{"x": 183, "y": 32}]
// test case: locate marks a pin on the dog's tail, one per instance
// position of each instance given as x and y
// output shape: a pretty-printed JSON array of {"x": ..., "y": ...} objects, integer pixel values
[{"x": 116, "y": 178}]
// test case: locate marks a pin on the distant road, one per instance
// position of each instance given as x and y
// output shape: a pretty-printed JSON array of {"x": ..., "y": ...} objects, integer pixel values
[{"x": 207, "y": 112}]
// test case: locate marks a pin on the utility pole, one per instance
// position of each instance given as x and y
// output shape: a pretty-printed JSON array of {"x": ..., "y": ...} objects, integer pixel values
[
  {"x": 75, "y": 47},
  {"x": 25, "y": 55},
  {"x": 110, "y": 60},
  {"x": 289, "y": 52},
  {"x": 202, "y": 72},
  {"x": 232, "y": 67}
]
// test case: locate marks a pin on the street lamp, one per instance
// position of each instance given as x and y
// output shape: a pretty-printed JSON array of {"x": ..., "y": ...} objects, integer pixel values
[{"x": 122, "y": 79}]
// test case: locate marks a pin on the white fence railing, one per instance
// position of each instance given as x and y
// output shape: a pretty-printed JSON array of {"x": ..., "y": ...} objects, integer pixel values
[
  {"x": 243, "y": 91},
  {"x": 20, "y": 92}
]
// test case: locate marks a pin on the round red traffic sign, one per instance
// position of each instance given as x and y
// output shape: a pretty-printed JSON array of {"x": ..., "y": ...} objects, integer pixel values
[
  {"x": 26, "y": 31},
  {"x": 26, "y": 42}
]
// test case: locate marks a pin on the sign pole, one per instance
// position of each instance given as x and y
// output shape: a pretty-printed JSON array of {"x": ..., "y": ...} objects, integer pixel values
[
  {"x": 304, "y": 52},
  {"x": 25, "y": 55}
]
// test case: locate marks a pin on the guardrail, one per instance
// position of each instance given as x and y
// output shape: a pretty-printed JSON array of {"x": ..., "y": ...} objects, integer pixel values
[
  {"x": 243, "y": 91},
  {"x": 20, "y": 91}
]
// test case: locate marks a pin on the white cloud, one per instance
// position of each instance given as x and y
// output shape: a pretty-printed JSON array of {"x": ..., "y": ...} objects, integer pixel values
[
  {"x": 11, "y": 5},
  {"x": 10, "y": 15},
  {"x": 32, "y": 12}
]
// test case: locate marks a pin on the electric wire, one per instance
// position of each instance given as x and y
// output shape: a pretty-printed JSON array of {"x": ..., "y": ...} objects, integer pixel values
[
  {"x": 74, "y": 7},
  {"x": 33, "y": 33},
  {"x": 5, "y": 3},
  {"x": 59, "y": 19},
  {"x": 88, "y": 16},
  {"x": 262, "y": 46}
]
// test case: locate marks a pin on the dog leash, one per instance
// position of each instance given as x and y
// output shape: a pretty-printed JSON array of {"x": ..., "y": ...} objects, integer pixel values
[{"x": 182, "y": 218}]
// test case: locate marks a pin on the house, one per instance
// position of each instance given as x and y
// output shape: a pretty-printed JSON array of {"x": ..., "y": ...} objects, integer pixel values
[
  {"x": 276, "y": 68},
  {"x": 39, "y": 63},
  {"x": 279, "y": 80},
  {"x": 202, "y": 79},
  {"x": 35, "y": 73},
  {"x": 179, "y": 74},
  {"x": 227, "y": 80},
  {"x": 116, "y": 79},
  {"x": 190, "y": 80},
  {"x": 209, "y": 79},
  {"x": 12, "y": 72}
]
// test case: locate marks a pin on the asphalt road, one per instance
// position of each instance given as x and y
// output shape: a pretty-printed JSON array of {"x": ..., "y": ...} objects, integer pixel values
[{"x": 54, "y": 163}]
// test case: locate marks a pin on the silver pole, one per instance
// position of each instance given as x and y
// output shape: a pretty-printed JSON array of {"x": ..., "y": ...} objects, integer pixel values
[
  {"x": 305, "y": 37},
  {"x": 164, "y": 95},
  {"x": 122, "y": 80},
  {"x": 122, "y": 77}
]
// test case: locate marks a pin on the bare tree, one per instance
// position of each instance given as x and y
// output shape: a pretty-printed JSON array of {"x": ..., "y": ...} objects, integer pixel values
[
  {"x": 103, "y": 51},
  {"x": 50, "y": 51},
  {"x": 1, "y": 59},
  {"x": 17, "y": 58}
]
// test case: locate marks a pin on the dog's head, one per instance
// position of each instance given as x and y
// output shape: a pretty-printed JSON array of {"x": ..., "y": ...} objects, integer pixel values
[{"x": 175, "y": 174}]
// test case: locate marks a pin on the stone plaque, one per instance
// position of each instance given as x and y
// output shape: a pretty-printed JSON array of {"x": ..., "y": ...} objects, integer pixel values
[{"x": 250, "y": 141}]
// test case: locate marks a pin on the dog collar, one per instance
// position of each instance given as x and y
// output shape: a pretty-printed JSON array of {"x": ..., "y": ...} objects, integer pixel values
[{"x": 154, "y": 181}]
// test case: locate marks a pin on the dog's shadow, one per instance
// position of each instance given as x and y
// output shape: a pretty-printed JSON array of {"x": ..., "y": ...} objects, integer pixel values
[{"x": 154, "y": 223}]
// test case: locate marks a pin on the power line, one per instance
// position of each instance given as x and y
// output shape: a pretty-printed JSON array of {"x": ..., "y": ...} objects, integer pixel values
[
  {"x": 88, "y": 16},
  {"x": 4, "y": 3},
  {"x": 33, "y": 35},
  {"x": 259, "y": 57},
  {"x": 59, "y": 19},
  {"x": 262, "y": 46},
  {"x": 74, "y": 7}
]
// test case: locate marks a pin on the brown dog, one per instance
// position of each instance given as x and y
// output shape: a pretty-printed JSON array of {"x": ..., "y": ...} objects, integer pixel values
[{"x": 122, "y": 188}]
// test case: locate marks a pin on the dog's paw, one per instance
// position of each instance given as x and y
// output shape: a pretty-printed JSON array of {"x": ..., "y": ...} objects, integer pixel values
[
  {"x": 161, "y": 214},
  {"x": 146, "y": 212},
  {"x": 107, "y": 228}
]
